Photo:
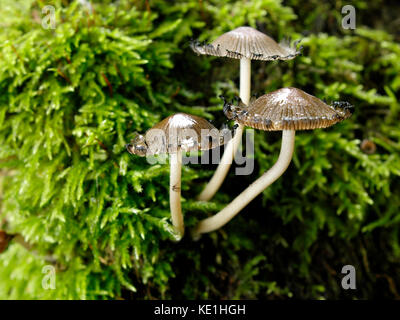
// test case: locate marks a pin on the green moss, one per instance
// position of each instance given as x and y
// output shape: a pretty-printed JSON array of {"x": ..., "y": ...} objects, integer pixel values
[{"x": 70, "y": 98}]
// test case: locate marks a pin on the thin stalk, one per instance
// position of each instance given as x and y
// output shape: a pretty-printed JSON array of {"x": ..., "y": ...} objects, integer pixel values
[
  {"x": 232, "y": 209},
  {"x": 175, "y": 192},
  {"x": 245, "y": 80},
  {"x": 230, "y": 150}
]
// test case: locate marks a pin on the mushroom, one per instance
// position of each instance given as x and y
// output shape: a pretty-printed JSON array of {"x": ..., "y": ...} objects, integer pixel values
[
  {"x": 246, "y": 44},
  {"x": 4, "y": 240},
  {"x": 286, "y": 109},
  {"x": 176, "y": 133}
]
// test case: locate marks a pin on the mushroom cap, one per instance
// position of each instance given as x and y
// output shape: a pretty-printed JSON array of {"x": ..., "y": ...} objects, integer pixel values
[
  {"x": 288, "y": 109},
  {"x": 246, "y": 42},
  {"x": 179, "y": 131}
]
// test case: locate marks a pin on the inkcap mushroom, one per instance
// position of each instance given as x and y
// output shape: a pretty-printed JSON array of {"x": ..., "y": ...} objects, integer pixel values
[
  {"x": 286, "y": 110},
  {"x": 246, "y": 44},
  {"x": 176, "y": 134}
]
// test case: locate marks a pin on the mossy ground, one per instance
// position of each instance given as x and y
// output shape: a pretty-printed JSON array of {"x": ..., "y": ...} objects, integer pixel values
[{"x": 70, "y": 98}]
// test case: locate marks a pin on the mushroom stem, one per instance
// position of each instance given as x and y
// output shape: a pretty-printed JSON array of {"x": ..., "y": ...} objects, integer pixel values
[
  {"x": 230, "y": 150},
  {"x": 175, "y": 192},
  {"x": 232, "y": 209},
  {"x": 245, "y": 80}
]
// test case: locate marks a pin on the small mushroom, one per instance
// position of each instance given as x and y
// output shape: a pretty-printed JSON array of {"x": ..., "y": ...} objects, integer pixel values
[
  {"x": 287, "y": 109},
  {"x": 246, "y": 44},
  {"x": 176, "y": 134}
]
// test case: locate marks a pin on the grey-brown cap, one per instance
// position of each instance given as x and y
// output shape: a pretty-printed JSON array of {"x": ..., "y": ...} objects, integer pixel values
[
  {"x": 179, "y": 131},
  {"x": 246, "y": 42},
  {"x": 288, "y": 109}
]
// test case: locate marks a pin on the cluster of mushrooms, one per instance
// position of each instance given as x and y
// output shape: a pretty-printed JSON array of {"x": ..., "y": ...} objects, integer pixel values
[{"x": 286, "y": 110}]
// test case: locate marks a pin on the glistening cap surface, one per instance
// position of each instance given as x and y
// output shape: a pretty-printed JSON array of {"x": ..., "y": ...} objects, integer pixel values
[
  {"x": 180, "y": 131},
  {"x": 246, "y": 42},
  {"x": 288, "y": 109}
]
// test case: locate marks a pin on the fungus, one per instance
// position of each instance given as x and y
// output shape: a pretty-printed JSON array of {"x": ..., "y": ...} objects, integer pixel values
[
  {"x": 287, "y": 109},
  {"x": 246, "y": 44},
  {"x": 176, "y": 134}
]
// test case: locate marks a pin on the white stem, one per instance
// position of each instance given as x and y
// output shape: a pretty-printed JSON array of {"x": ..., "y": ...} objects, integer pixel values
[
  {"x": 245, "y": 80},
  {"x": 230, "y": 150},
  {"x": 175, "y": 192},
  {"x": 232, "y": 209}
]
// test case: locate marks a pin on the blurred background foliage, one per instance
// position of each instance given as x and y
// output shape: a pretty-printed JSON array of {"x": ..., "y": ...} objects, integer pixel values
[{"x": 70, "y": 98}]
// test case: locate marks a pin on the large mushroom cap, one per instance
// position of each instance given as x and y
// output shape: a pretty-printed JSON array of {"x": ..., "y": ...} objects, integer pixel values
[
  {"x": 246, "y": 42},
  {"x": 288, "y": 109},
  {"x": 179, "y": 131}
]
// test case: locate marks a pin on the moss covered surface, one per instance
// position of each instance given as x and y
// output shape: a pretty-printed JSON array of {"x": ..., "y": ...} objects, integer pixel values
[{"x": 71, "y": 97}]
